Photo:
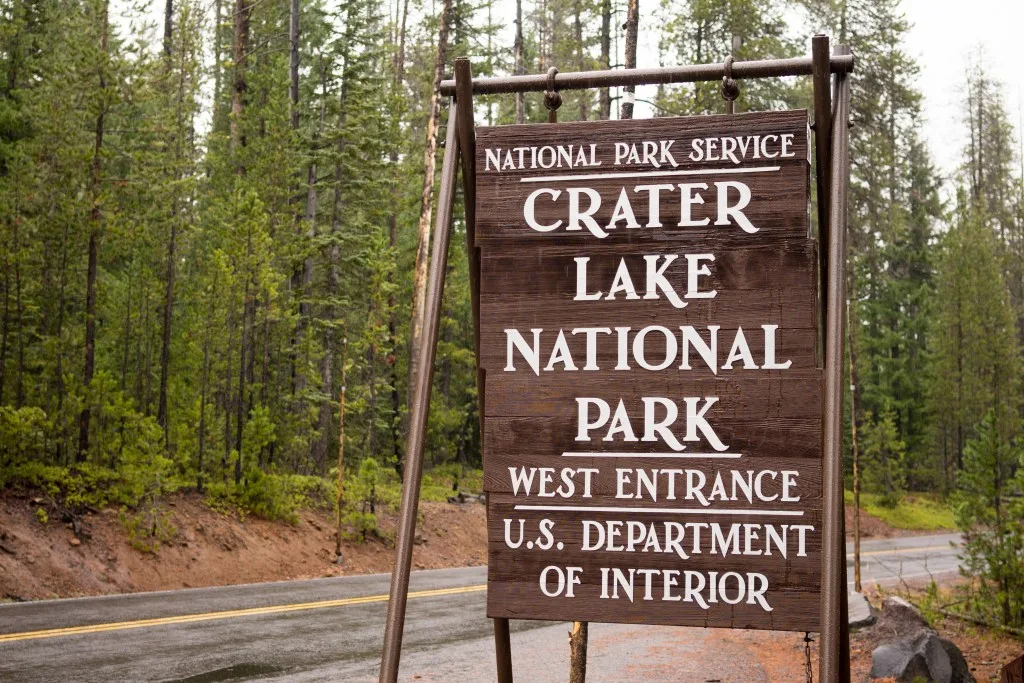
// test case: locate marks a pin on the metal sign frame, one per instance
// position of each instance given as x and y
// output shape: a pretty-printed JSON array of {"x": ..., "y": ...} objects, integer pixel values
[{"x": 831, "y": 108}]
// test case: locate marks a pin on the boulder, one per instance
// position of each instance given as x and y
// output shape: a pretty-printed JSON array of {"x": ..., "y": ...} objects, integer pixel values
[
  {"x": 922, "y": 656},
  {"x": 909, "y": 650},
  {"x": 899, "y": 617},
  {"x": 961, "y": 671},
  {"x": 861, "y": 613}
]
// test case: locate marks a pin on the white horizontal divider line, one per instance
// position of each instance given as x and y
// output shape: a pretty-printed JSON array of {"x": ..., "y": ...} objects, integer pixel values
[
  {"x": 648, "y": 174},
  {"x": 617, "y": 454},
  {"x": 672, "y": 511}
]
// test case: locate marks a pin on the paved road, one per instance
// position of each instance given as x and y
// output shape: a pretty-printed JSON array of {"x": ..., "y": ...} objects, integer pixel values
[{"x": 330, "y": 629}]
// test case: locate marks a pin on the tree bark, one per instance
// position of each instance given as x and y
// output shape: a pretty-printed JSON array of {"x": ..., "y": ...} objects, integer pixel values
[
  {"x": 520, "y": 67},
  {"x": 604, "y": 96},
  {"x": 6, "y": 326},
  {"x": 851, "y": 345},
  {"x": 228, "y": 373},
  {"x": 396, "y": 404},
  {"x": 203, "y": 389},
  {"x": 168, "y": 26},
  {"x": 632, "y": 26},
  {"x": 341, "y": 452},
  {"x": 578, "y": 652},
  {"x": 96, "y": 226},
  {"x": 429, "y": 165},
  {"x": 293, "y": 61},
  {"x": 584, "y": 95},
  {"x": 165, "y": 351},
  {"x": 240, "y": 48}
]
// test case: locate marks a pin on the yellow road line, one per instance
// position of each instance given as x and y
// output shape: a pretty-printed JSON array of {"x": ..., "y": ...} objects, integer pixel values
[
  {"x": 227, "y": 614},
  {"x": 899, "y": 551}
]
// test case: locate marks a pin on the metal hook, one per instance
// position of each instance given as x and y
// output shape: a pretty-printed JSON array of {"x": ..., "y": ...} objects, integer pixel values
[
  {"x": 552, "y": 98},
  {"x": 730, "y": 89}
]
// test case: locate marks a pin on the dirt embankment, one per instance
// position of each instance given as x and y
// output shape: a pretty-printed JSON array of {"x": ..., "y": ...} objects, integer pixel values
[{"x": 209, "y": 548}]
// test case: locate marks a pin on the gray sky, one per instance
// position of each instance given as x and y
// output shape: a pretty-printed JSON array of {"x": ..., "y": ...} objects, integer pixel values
[{"x": 943, "y": 38}]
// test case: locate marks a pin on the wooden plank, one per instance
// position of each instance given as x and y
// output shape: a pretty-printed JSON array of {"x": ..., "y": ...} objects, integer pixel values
[
  {"x": 786, "y": 395},
  {"x": 790, "y": 578},
  {"x": 554, "y": 435},
  {"x": 567, "y": 413},
  {"x": 551, "y": 269},
  {"x": 600, "y": 488},
  {"x": 774, "y": 208},
  {"x": 796, "y": 345}
]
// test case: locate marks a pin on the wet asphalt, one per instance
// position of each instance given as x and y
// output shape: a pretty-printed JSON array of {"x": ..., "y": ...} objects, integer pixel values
[{"x": 447, "y": 637}]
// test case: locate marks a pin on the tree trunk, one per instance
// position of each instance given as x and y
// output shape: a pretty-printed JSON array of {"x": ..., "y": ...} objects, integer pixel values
[
  {"x": 851, "y": 345},
  {"x": 341, "y": 452},
  {"x": 396, "y": 403},
  {"x": 584, "y": 95},
  {"x": 96, "y": 225},
  {"x": 6, "y": 326},
  {"x": 429, "y": 164},
  {"x": 216, "y": 61},
  {"x": 578, "y": 652},
  {"x": 632, "y": 26},
  {"x": 168, "y": 26},
  {"x": 604, "y": 96},
  {"x": 228, "y": 373},
  {"x": 203, "y": 388},
  {"x": 520, "y": 68},
  {"x": 293, "y": 61},
  {"x": 243, "y": 10}
]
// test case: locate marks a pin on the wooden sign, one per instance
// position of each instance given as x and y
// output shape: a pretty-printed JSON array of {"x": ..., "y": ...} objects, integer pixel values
[{"x": 648, "y": 330}]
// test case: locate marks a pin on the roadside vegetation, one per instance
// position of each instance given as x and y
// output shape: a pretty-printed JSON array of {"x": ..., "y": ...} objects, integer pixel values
[{"x": 913, "y": 512}]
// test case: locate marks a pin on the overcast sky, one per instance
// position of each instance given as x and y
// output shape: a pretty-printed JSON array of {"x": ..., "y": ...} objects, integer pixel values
[{"x": 945, "y": 33}]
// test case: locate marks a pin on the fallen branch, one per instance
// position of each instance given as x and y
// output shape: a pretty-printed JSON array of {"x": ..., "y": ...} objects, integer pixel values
[{"x": 1019, "y": 632}]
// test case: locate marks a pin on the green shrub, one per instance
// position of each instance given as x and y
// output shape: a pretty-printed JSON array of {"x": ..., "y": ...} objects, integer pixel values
[
  {"x": 22, "y": 434},
  {"x": 148, "y": 528},
  {"x": 271, "y": 496},
  {"x": 42, "y": 516},
  {"x": 364, "y": 489},
  {"x": 87, "y": 485},
  {"x": 447, "y": 480}
]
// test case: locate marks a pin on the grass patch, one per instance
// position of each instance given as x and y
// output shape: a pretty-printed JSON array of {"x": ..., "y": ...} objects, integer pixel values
[{"x": 916, "y": 511}]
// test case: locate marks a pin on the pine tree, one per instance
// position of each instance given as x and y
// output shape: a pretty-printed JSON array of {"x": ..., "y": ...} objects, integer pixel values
[
  {"x": 990, "y": 514},
  {"x": 973, "y": 353}
]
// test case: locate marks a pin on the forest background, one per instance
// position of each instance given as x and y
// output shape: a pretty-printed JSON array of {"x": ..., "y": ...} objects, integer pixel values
[{"x": 214, "y": 231}]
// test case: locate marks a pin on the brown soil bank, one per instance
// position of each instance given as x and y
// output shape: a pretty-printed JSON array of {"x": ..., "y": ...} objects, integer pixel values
[{"x": 209, "y": 548}]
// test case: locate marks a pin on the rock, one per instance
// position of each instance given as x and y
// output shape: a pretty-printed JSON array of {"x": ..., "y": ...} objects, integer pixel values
[
  {"x": 899, "y": 618},
  {"x": 419, "y": 539},
  {"x": 922, "y": 656},
  {"x": 961, "y": 671},
  {"x": 860, "y": 610},
  {"x": 75, "y": 542}
]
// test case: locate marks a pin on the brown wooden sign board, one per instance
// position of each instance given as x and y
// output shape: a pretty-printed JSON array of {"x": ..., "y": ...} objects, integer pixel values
[{"x": 648, "y": 330}]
